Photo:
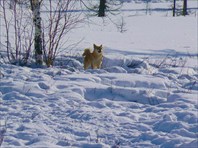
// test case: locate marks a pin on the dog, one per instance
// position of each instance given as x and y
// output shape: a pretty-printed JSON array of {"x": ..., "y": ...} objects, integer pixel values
[{"x": 93, "y": 59}]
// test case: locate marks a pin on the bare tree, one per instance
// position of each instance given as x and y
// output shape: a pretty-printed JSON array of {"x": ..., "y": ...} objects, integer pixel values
[
  {"x": 103, "y": 6},
  {"x": 184, "y": 12},
  {"x": 50, "y": 31},
  {"x": 38, "y": 48},
  {"x": 174, "y": 7}
]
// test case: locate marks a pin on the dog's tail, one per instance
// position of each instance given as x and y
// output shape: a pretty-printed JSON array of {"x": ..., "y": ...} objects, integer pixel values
[{"x": 86, "y": 52}]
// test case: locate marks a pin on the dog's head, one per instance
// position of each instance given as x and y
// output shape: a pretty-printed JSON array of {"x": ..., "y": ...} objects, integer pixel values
[{"x": 98, "y": 49}]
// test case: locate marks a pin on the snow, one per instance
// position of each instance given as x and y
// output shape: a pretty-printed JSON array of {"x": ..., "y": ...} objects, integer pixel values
[{"x": 145, "y": 95}]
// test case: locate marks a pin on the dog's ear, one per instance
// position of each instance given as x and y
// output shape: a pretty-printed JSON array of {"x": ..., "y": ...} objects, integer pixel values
[
  {"x": 94, "y": 45},
  {"x": 101, "y": 46}
]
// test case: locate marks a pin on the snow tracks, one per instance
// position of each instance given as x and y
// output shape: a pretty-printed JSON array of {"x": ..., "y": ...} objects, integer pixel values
[{"x": 134, "y": 105}]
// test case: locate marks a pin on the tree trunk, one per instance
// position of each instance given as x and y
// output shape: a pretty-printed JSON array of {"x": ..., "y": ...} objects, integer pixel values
[
  {"x": 12, "y": 2},
  {"x": 174, "y": 7},
  {"x": 38, "y": 46},
  {"x": 102, "y": 7},
  {"x": 185, "y": 8}
]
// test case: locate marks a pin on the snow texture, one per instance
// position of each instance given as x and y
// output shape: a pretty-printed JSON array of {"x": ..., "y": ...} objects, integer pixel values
[{"x": 145, "y": 94}]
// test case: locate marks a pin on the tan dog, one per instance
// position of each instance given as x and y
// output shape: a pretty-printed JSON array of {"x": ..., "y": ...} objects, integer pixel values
[{"x": 93, "y": 59}]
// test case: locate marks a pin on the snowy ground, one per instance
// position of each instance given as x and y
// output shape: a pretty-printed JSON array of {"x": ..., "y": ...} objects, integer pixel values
[{"x": 145, "y": 95}]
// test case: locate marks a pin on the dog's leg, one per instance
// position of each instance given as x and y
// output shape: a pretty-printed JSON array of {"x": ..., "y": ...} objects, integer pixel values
[
  {"x": 86, "y": 65},
  {"x": 92, "y": 65},
  {"x": 98, "y": 65}
]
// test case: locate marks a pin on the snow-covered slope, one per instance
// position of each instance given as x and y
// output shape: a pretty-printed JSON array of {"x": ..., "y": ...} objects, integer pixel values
[{"x": 145, "y": 95}]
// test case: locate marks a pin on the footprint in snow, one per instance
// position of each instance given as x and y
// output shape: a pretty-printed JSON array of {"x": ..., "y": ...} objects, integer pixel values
[
  {"x": 61, "y": 86},
  {"x": 43, "y": 85}
]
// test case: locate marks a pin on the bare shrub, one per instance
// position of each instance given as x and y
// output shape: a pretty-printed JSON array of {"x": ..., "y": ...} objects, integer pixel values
[
  {"x": 18, "y": 35},
  {"x": 170, "y": 61},
  {"x": 57, "y": 19},
  {"x": 60, "y": 18}
]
